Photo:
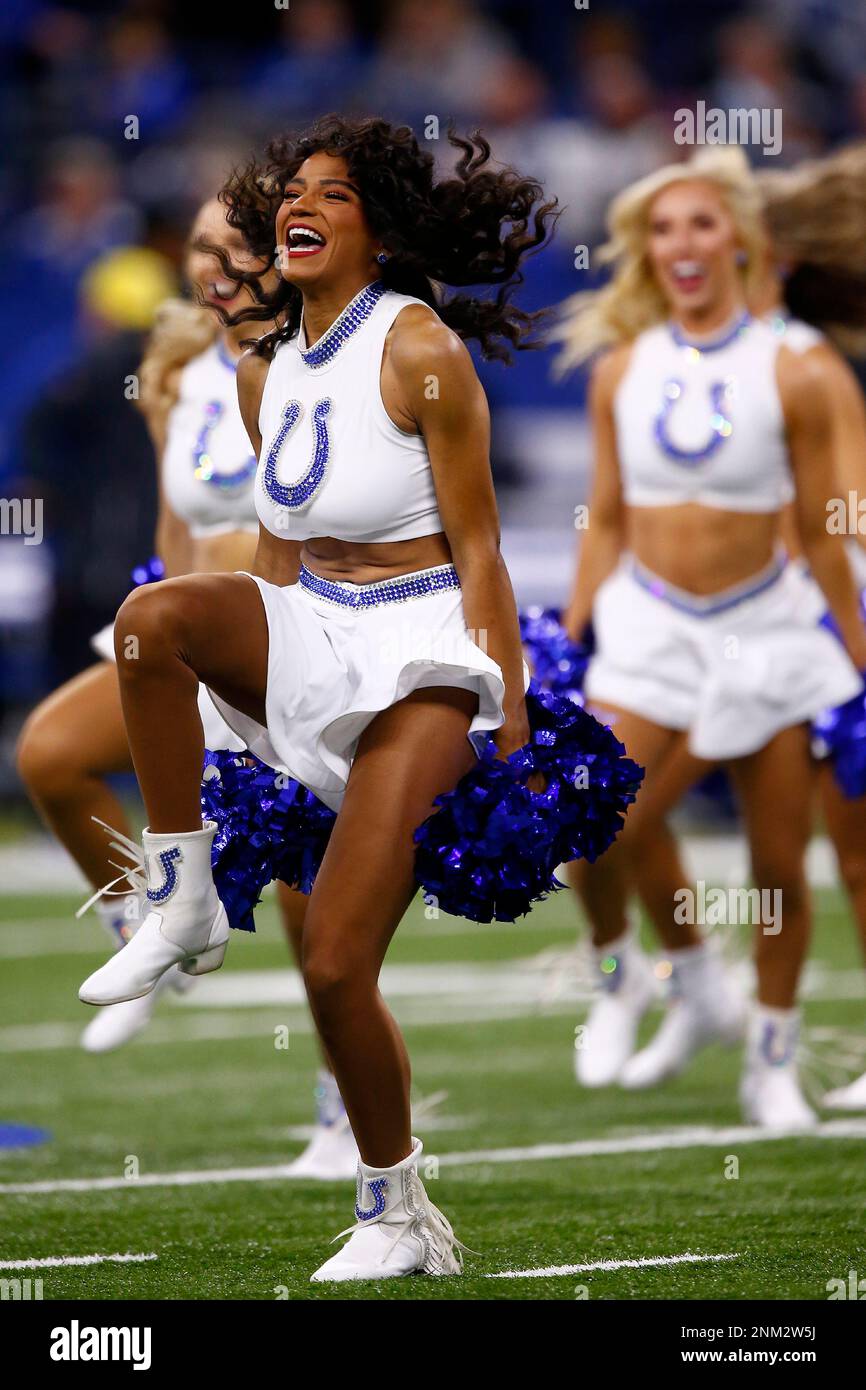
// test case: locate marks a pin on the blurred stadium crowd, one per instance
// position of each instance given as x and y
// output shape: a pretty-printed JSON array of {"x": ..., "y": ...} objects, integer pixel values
[{"x": 96, "y": 205}]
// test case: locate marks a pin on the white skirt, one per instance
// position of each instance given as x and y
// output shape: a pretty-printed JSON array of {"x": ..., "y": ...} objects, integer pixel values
[
  {"x": 339, "y": 653},
  {"x": 217, "y": 733},
  {"x": 734, "y": 669}
]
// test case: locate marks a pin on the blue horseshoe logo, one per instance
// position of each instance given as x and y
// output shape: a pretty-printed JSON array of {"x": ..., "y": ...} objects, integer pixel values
[
  {"x": 167, "y": 860},
  {"x": 294, "y": 495},
  {"x": 204, "y": 466},
  {"x": 721, "y": 424},
  {"x": 378, "y": 1187}
]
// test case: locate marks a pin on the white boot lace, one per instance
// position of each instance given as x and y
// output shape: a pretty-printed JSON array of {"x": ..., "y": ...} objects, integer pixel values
[{"x": 133, "y": 874}]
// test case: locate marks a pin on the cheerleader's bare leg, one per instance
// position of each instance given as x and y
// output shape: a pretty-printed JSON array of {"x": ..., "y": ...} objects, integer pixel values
[
  {"x": 406, "y": 757},
  {"x": 71, "y": 742},
  {"x": 705, "y": 1002},
  {"x": 331, "y": 1152},
  {"x": 626, "y": 985},
  {"x": 410, "y": 753},
  {"x": 775, "y": 787}
]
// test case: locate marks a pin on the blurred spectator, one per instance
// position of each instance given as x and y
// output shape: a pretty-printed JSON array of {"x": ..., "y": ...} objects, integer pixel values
[
  {"x": 80, "y": 214},
  {"x": 756, "y": 72},
  {"x": 82, "y": 211},
  {"x": 144, "y": 77},
  {"x": 585, "y": 160},
  {"x": 87, "y": 454},
  {"x": 434, "y": 56},
  {"x": 316, "y": 65}
]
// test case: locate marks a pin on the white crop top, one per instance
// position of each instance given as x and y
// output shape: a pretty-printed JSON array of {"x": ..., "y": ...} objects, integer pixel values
[
  {"x": 333, "y": 463},
  {"x": 704, "y": 423},
  {"x": 208, "y": 467}
]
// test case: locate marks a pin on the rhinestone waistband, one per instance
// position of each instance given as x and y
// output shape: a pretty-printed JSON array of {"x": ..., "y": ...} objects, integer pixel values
[
  {"x": 707, "y": 606},
  {"x": 397, "y": 590}
]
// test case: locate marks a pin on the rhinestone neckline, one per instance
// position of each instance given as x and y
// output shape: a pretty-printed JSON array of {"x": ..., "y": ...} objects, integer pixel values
[
  {"x": 225, "y": 357},
  {"x": 713, "y": 344},
  {"x": 356, "y": 312}
]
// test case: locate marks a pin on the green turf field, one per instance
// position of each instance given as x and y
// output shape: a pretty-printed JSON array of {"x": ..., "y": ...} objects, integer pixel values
[{"x": 207, "y": 1089}]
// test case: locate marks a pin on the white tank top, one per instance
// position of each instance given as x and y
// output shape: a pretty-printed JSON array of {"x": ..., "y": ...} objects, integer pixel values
[
  {"x": 333, "y": 463},
  {"x": 208, "y": 467},
  {"x": 704, "y": 423}
]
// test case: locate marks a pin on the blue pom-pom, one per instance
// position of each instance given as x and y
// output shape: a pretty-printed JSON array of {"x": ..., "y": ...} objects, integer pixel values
[
  {"x": 268, "y": 826},
  {"x": 491, "y": 848},
  {"x": 150, "y": 573},
  {"x": 557, "y": 663},
  {"x": 840, "y": 735}
]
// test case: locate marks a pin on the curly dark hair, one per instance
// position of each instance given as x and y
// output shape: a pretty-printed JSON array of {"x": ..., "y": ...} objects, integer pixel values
[{"x": 472, "y": 228}]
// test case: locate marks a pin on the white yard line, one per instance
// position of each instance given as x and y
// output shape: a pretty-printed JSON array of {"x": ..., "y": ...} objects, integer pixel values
[
  {"x": 688, "y": 1137},
  {"x": 37, "y": 864},
  {"x": 211, "y": 1027},
  {"x": 645, "y": 1262},
  {"x": 56, "y": 1261}
]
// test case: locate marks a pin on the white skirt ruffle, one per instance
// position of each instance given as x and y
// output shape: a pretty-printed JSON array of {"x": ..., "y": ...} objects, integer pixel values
[
  {"x": 333, "y": 668},
  {"x": 734, "y": 677}
]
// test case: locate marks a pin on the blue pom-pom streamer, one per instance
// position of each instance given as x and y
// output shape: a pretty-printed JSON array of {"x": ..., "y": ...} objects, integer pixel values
[
  {"x": 268, "y": 826},
  {"x": 557, "y": 663},
  {"x": 840, "y": 735},
  {"x": 490, "y": 849}
]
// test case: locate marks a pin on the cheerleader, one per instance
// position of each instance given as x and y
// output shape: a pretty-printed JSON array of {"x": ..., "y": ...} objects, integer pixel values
[
  {"x": 814, "y": 216},
  {"x": 374, "y": 645},
  {"x": 207, "y": 522},
  {"x": 707, "y": 424}
]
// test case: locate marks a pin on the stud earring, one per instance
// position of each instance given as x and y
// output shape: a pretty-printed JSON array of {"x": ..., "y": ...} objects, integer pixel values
[
  {"x": 382, "y": 258},
  {"x": 742, "y": 258}
]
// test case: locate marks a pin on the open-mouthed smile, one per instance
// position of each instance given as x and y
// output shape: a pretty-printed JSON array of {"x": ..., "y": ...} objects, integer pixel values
[{"x": 303, "y": 240}]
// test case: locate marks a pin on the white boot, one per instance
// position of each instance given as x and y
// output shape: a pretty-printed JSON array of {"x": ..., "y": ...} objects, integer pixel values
[
  {"x": 628, "y": 988},
  {"x": 332, "y": 1153},
  {"x": 850, "y": 1097},
  {"x": 770, "y": 1087},
  {"x": 398, "y": 1230},
  {"x": 186, "y": 924},
  {"x": 707, "y": 1007}
]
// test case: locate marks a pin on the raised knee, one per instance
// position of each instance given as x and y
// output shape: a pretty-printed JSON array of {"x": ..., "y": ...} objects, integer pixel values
[{"x": 146, "y": 622}]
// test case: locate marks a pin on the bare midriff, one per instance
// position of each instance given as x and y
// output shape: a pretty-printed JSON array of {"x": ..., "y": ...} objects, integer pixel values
[
  {"x": 357, "y": 563},
  {"x": 701, "y": 549}
]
